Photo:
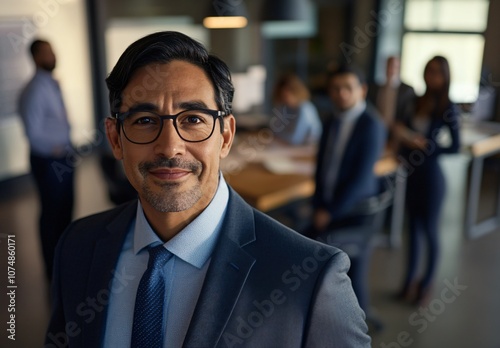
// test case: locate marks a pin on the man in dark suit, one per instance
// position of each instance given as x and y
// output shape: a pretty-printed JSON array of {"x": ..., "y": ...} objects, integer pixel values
[
  {"x": 394, "y": 99},
  {"x": 353, "y": 140},
  {"x": 218, "y": 273}
]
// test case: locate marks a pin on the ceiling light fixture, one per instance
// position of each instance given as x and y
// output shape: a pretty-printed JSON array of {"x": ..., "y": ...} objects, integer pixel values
[
  {"x": 225, "y": 14},
  {"x": 286, "y": 10}
]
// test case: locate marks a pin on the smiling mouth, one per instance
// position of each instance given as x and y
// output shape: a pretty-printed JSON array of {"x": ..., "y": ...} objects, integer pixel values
[{"x": 169, "y": 174}]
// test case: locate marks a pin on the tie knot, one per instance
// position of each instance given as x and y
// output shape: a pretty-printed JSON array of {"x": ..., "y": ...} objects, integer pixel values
[{"x": 158, "y": 256}]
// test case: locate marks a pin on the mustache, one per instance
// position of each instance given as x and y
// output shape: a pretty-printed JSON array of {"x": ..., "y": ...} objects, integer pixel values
[{"x": 162, "y": 162}]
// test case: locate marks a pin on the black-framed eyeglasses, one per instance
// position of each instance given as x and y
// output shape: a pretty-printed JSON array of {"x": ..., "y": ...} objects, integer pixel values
[{"x": 144, "y": 127}]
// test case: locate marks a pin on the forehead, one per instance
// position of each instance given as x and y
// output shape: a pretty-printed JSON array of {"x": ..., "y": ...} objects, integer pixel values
[
  {"x": 167, "y": 83},
  {"x": 44, "y": 47},
  {"x": 345, "y": 79},
  {"x": 392, "y": 61},
  {"x": 434, "y": 66}
]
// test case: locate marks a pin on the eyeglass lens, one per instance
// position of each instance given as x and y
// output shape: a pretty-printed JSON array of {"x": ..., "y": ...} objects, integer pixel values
[{"x": 191, "y": 125}]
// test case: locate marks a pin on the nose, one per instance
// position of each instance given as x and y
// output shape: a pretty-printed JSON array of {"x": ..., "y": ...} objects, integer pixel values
[
  {"x": 343, "y": 93},
  {"x": 169, "y": 144}
]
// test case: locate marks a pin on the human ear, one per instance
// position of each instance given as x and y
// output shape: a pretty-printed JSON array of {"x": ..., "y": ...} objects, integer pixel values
[
  {"x": 364, "y": 88},
  {"x": 227, "y": 135},
  {"x": 114, "y": 138}
]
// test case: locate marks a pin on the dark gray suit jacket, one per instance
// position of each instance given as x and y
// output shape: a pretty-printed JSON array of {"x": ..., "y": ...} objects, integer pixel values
[
  {"x": 404, "y": 99},
  {"x": 356, "y": 180},
  {"x": 266, "y": 285}
]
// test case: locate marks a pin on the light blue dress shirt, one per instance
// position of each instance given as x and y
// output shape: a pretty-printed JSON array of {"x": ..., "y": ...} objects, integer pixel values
[
  {"x": 44, "y": 116},
  {"x": 303, "y": 128},
  {"x": 185, "y": 272}
]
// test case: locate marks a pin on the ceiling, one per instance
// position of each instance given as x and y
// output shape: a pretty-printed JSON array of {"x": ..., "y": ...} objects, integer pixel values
[{"x": 193, "y": 8}]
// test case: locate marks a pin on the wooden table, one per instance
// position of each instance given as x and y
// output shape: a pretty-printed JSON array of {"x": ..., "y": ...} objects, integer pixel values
[
  {"x": 266, "y": 191},
  {"x": 481, "y": 141}
]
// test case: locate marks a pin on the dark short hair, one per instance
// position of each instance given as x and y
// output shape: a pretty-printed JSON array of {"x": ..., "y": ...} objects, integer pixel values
[
  {"x": 164, "y": 47},
  {"x": 347, "y": 69},
  {"x": 35, "y": 46}
]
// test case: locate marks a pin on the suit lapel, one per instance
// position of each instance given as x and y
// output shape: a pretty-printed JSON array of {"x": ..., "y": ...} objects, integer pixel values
[
  {"x": 226, "y": 276},
  {"x": 105, "y": 257}
]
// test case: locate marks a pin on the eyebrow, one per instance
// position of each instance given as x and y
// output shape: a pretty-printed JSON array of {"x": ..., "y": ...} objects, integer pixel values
[
  {"x": 187, "y": 105},
  {"x": 193, "y": 104},
  {"x": 143, "y": 107}
]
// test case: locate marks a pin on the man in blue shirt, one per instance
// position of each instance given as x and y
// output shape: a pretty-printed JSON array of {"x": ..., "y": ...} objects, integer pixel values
[
  {"x": 190, "y": 263},
  {"x": 46, "y": 125}
]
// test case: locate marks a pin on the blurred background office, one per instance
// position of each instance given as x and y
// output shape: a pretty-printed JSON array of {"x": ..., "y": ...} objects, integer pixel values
[{"x": 261, "y": 41}]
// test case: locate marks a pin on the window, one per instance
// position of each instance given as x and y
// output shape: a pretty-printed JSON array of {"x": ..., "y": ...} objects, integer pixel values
[{"x": 453, "y": 29}]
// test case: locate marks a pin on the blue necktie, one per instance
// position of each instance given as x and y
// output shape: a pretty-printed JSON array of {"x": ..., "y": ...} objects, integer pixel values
[{"x": 147, "y": 330}]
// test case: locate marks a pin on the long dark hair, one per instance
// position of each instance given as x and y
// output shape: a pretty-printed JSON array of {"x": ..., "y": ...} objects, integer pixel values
[{"x": 440, "y": 98}]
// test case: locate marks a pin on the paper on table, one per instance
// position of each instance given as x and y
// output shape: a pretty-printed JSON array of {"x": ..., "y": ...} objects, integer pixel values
[
  {"x": 288, "y": 166},
  {"x": 278, "y": 151}
]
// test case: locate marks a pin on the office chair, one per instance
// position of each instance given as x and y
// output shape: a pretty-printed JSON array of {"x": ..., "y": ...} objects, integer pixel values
[{"x": 357, "y": 240}]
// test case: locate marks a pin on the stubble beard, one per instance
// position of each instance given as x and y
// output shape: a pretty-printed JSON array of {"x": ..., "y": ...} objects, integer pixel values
[{"x": 169, "y": 198}]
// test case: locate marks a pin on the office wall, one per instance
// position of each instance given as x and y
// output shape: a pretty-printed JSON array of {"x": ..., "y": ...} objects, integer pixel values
[
  {"x": 121, "y": 32},
  {"x": 63, "y": 23},
  {"x": 363, "y": 33},
  {"x": 492, "y": 50}
]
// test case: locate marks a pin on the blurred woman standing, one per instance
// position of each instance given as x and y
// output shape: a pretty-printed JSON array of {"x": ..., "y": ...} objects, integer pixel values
[{"x": 421, "y": 140}]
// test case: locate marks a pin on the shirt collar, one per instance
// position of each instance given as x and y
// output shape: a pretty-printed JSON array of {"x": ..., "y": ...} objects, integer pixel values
[
  {"x": 46, "y": 76},
  {"x": 44, "y": 73},
  {"x": 351, "y": 114},
  {"x": 193, "y": 244}
]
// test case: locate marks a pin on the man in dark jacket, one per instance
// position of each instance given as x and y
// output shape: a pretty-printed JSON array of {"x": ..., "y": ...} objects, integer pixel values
[{"x": 190, "y": 264}]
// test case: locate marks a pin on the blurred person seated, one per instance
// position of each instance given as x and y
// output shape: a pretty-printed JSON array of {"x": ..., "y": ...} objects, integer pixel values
[{"x": 300, "y": 120}]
